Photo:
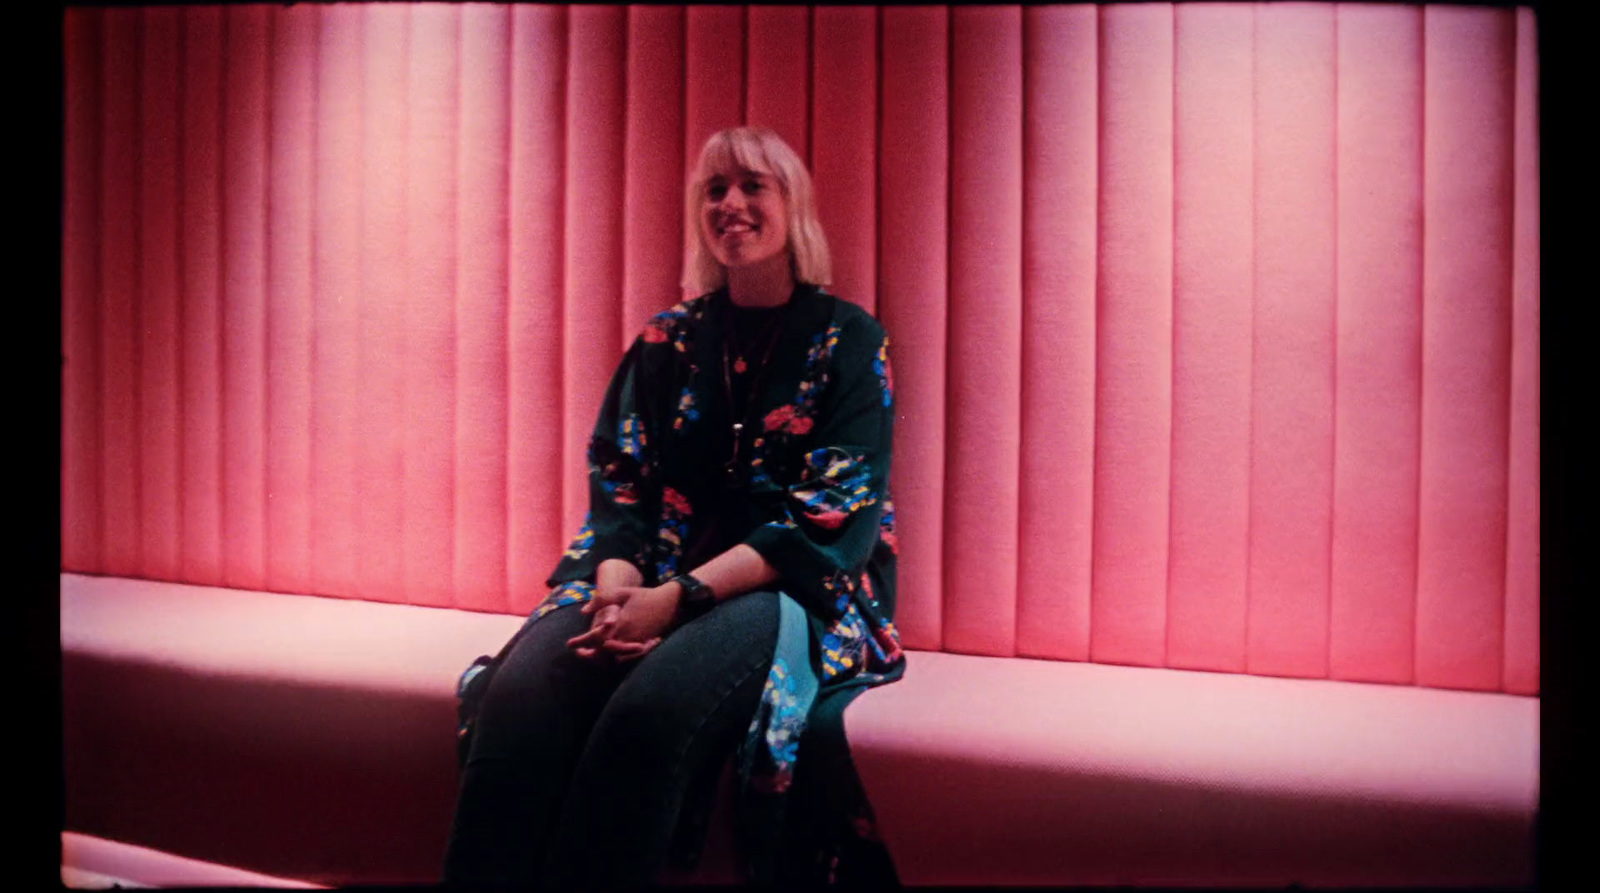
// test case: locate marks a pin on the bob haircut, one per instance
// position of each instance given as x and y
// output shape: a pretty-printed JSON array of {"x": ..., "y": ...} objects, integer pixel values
[{"x": 761, "y": 150}]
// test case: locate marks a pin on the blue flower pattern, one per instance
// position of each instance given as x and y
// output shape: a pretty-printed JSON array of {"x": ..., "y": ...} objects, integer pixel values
[
  {"x": 582, "y": 542},
  {"x": 785, "y": 721},
  {"x": 574, "y": 593}
]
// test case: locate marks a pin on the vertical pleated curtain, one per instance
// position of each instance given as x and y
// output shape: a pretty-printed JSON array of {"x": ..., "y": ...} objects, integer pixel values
[{"x": 1216, "y": 326}]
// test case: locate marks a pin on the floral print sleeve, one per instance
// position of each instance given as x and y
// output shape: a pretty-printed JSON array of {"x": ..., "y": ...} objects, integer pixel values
[
  {"x": 825, "y": 529},
  {"x": 624, "y": 479}
]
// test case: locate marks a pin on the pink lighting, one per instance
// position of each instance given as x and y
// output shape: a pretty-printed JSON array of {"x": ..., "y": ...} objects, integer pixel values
[{"x": 1216, "y": 326}]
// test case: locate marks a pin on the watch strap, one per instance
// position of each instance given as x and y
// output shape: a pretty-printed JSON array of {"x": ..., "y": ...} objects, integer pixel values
[{"x": 697, "y": 596}]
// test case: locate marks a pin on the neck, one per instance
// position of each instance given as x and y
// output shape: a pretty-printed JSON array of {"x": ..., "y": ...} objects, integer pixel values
[{"x": 767, "y": 284}]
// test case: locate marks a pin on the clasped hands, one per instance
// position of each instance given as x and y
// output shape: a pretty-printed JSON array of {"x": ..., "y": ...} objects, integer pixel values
[{"x": 629, "y": 620}]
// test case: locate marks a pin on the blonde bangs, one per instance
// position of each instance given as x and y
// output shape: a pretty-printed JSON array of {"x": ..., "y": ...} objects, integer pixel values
[{"x": 734, "y": 150}]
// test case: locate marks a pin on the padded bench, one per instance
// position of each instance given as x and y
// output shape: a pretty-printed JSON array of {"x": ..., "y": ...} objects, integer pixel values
[
  {"x": 312, "y": 739},
  {"x": 93, "y": 863}
]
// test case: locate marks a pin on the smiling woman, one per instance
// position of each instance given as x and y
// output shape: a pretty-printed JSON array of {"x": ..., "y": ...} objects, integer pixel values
[{"x": 731, "y": 590}]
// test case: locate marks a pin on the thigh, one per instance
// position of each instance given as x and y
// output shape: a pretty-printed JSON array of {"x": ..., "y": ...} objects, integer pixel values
[
  {"x": 672, "y": 723},
  {"x": 684, "y": 689},
  {"x": 536, "y": 715},
  {"x": 542, "y": 700},
  {"x": 701, "y": 662}
]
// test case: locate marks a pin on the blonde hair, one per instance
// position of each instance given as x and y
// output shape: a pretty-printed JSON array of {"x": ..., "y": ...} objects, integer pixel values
[{"x": 754, "y": 149}]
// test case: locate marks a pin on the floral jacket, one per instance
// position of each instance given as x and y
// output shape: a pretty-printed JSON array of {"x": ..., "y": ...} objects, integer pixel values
[{"x": 806, "y": 487}]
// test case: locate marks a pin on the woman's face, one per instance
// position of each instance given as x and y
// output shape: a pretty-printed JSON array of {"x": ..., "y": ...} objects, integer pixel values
[{"x": 744, "y": 218}]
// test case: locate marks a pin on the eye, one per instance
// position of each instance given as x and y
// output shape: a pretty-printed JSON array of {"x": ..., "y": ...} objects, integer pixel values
[
  {"x": 751, "y": 187},
  {"x": 716, "y": 189}
]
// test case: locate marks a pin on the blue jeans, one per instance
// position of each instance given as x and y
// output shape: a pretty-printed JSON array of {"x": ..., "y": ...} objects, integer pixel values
[{"x": 579, "y": 768}]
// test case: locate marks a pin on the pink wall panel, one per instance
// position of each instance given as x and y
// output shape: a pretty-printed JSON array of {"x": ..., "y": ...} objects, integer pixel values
[
  {"x": 160, "y": 307},
  {"x": 1469, "y": 63},
  {"x": 714, "y": 71},
  {"x": 778, "y": 72},
  {"x": 1291, "y": 450},
  {"x": 1522, "y": 514},
  {"x": 1182, "y": 379},
  {"x": 245, "y": 173},
  {"x": 985, "y": 341},
  {"x": 652, "y": 224},
  {"x": 380, "y": 466},
  {"x": 291, "y": 297},
  {"x": 591, "y": 317},
  {"x": 1133, "y": 419},
  {"x": 201, "y": 523},
  {"x": 338, "y": 394},
  {"x": 428, "y": 302},
  {"x": 537, "y": 178},
  {"x": 1212, "y": 235},
  {"x": 123, "y": 517},
  {"x": 1378, "y": 342},
  {"x": 1060, "y": 167},
  {"x": 482, "y": 214},
  {"x": 844, "y": 130},
  {"x": 913, "y": 184},
  {"x": 81, "y": 293}
]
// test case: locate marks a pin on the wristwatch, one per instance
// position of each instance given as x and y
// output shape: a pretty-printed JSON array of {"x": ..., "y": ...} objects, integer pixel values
[{"x": 698, "y": 598}]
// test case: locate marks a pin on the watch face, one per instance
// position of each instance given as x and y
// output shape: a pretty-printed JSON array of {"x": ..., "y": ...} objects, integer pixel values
[{"x": 694, "y": 591}]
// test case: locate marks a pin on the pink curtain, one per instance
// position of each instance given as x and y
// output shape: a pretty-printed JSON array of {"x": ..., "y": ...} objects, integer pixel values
[{"x": 1216, "y": 325}]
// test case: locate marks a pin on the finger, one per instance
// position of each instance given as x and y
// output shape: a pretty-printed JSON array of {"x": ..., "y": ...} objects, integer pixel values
[
  {"x": 624, "y": 657},
  {"x": 604, "y": 621},
  {"x": 629, "y": 646},
  {"x": 643, "y": 649}
]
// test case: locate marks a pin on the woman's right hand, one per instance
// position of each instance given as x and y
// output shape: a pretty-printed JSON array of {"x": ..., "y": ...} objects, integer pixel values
[
  {"x": 588, "y": 642},
  {"x": 613, "y": 574},
  {"x": 615, "y": 579}
]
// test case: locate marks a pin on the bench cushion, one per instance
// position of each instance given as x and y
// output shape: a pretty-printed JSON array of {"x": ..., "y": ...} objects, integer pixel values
[
  {"x": 93, "y": 863},
  {"x": 296, "y": 736},
  {"x": 313, "y": 738},
  {"x": 1013, "y": 771}
]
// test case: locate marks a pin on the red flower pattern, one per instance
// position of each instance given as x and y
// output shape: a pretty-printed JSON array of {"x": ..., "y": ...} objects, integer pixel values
[
  {"x": 830, "y": 519},
  {"x": 779, "y": 418},
  {"x": 676, "y": 501},
  {"x": 785, "y": 418}
]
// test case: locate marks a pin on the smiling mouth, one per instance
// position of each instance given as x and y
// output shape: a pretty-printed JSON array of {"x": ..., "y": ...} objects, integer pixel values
[{"x": 737, "y": 228}]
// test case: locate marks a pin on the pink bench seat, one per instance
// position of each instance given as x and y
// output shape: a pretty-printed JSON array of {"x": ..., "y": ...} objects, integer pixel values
[
  {"x": 97, "y": 864},
  {"x": 312, "y": 738},
  {"x": 1017, "y": 772}
]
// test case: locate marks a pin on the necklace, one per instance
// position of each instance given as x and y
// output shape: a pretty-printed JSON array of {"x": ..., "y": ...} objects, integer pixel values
[
  {"x": 731, "y": 471},
  {"x": 742, "y": 348}
]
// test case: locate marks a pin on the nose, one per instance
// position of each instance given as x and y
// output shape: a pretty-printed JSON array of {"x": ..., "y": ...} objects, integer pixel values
[{"x": 732, "y": 201}]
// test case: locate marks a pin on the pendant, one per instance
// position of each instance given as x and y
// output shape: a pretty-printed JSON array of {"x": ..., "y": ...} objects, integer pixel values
[{"x": 739, "y": 366}]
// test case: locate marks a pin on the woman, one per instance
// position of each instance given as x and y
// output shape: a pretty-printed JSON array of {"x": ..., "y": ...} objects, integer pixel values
[{"x": 732, "y": 585}]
